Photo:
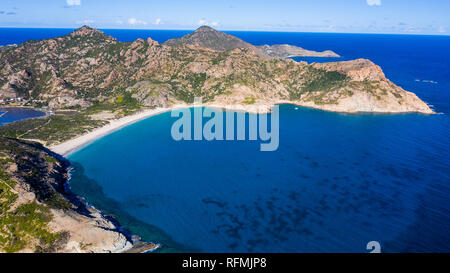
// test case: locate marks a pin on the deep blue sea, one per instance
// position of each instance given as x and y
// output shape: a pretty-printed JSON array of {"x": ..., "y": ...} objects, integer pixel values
[
  {"x": 11, "y": 114},
  {"x": 336, "y": 182}
]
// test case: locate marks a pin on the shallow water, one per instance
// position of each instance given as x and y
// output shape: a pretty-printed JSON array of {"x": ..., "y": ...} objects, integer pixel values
[{"x": 335, "y": 183}]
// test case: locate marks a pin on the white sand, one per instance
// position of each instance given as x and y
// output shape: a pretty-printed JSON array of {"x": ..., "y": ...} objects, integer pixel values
[
  {"x": 73, "y": 145},
  {"x": 80, "y": 142}
]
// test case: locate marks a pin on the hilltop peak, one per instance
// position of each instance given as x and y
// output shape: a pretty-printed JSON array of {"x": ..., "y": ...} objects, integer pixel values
[
  {"x": 86, "y": 27},
  {"x": 87, "y": 31},
  {"x": 208, "y": 37},
  {"x": 205, "y": 29}
]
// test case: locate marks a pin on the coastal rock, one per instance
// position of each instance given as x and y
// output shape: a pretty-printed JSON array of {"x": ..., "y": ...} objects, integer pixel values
[
  {"x": 285, "y": 51},
  {"x": 357, "y": 70},
  {"x": 87, "y": 67},
  {"x": 54, "y": 220},
  {"x": 366, "y": 102},
  {"x": 368, "y": 90},
  {"x": 89, "y": 234},
  {"x": 151, "y": 42}
]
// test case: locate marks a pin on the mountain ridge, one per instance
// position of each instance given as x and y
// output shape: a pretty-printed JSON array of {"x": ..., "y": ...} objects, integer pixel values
[
  {"x": 208, "y": 37},
  {"x": 88, "y": 67},
  {"x": 89, "y": 78}
]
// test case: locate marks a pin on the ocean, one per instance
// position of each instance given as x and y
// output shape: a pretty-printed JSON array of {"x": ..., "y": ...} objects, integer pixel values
[{"x": 337, "y": 181}]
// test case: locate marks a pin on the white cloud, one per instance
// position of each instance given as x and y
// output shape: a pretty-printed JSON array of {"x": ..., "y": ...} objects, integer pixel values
[
  {"x": 119, "y": 22},
  {"x": 203, "y": 22},
  {"x": 442, "y": 29},
  {"x": 84, "y": 22},
  {"x": 158, "y": 21},
  {"x": 136, "y": 22},
  {"x": 73, "y": 2},
  {"x": 373, "y": 2}
]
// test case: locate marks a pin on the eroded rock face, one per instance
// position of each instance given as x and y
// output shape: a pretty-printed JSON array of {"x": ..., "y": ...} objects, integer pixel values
[
  {"x": 93, "y": 234},
  {"x": 357, "y": 70},
  {"x": 366, "y": 102},
  {"x": 37, "y": 184},
  {"x": 152, "y": 94},
  {"x": 368, "y": 90},
  {"x": 87, "y": 66}
]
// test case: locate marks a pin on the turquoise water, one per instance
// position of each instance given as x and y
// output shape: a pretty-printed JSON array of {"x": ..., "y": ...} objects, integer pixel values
[
  {"x": 11, "y": 114},
  {"x": 336, "y": 182}
]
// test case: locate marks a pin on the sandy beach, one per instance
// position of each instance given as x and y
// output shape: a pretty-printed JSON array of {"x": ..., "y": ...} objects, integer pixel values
[
  {"x": 78, "y": 143},
  {"x": 73, "y": 145}
]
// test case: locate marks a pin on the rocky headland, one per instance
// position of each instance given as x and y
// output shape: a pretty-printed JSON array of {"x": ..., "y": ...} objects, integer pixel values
[
  {"x": 91, "y": 81},
  {"x": 88, "y": 67},
  {"x": 40, "y": 214},
  {"x": 289, "y": 51}
]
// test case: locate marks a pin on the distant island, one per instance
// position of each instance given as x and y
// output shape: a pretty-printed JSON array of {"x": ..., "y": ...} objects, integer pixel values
[
  {"x": 289, "y": 51},
  {"x": 208, "y": 37},
  {"x": 94, "y": 84},
  {"x": 88, "y": 68}
]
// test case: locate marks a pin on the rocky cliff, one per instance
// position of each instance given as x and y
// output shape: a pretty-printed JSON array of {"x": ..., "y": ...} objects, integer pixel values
[
  {"x": 88, "y": 68},
  {"x": 39, "y": 214},
  {"x": 93, "y": 74}
]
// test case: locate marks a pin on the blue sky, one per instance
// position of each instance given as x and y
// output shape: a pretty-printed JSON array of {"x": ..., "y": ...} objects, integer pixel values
[{"x": 360, "y": 16}]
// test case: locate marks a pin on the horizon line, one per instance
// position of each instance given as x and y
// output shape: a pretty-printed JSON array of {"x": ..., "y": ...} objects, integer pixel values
[{"x": 234, "y": 30}]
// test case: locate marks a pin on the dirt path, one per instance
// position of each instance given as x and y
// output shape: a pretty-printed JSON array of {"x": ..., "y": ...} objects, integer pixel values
[{"x": 31, "y": 130}]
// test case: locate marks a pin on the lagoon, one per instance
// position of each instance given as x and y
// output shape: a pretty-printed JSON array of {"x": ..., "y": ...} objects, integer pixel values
[{"x": 11, "y": 114}]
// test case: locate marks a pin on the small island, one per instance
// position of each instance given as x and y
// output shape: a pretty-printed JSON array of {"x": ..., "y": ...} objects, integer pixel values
[
  {"x": 94, "y": 84},
  {"x": 290, "y": 51}
]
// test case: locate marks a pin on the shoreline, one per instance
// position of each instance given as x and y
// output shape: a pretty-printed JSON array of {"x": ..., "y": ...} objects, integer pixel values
[
  {"x": 78, "y": 143},
  {"x": 71, "y": 146}
]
